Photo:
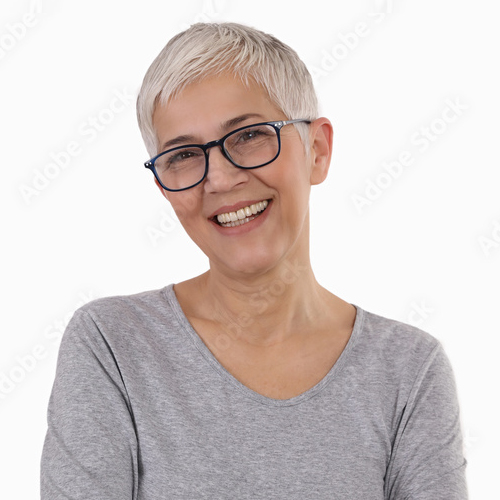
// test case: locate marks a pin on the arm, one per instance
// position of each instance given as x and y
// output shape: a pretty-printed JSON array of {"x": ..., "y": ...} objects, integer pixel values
[
  {"x": 90, "y": 449},
  {"x": 427, "y": 460}
]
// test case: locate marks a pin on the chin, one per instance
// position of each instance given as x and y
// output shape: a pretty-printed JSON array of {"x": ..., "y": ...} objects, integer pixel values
[{"x": 251, "y": 263}]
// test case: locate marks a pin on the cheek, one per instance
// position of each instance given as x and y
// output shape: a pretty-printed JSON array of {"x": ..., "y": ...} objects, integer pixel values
[
  {"x": 291, "y": 182},
  {"x": 185, "y": 205},
  {"x": 296, "y": 200}
]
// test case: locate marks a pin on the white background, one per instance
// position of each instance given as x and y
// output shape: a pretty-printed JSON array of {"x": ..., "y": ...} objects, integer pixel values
[{"x": 424, "y": 250}]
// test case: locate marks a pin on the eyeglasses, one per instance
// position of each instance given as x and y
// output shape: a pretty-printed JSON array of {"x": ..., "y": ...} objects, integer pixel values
[{"x": 252, "y": 146}]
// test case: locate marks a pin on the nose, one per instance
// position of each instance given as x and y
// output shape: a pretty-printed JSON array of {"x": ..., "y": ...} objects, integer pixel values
[{"x": 222, "y": 175}]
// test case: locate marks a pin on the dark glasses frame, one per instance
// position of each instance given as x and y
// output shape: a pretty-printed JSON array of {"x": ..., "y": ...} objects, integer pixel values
[{"x": 277, "y": 125}]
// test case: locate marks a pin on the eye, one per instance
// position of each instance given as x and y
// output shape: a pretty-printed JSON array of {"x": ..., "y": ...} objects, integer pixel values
[
  {"x": 182, "y": 155},
  {"x": 180, "y": 159},
  {"x": 183, "y": 158},
  {"x": 251, "y": 134},
  {"x": 248, "y": 135}
]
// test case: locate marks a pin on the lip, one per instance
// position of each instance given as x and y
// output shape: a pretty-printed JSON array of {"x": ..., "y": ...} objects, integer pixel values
[
  {"x": 235, "y": 207},
  {"x": 245, "y": 228}
]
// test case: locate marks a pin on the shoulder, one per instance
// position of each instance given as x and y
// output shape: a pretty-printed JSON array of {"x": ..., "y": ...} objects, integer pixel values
[
  {"x": 391, "y": 332},
  {"x": 395, "y": 347},
  {"x": 400, "y": 366},
  {"x": 122, "y": 316},
  {"x": 125, "y": 307}
]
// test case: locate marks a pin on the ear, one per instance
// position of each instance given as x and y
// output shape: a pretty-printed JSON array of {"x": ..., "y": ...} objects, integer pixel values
[{"x": 321, "y": 139}]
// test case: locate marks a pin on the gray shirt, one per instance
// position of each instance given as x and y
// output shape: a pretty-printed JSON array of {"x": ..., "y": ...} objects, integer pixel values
[{"x": 141, "y": 409}]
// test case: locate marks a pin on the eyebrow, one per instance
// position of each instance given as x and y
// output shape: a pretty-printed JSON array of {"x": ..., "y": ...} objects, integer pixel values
[{"x": 190, "y": 139}]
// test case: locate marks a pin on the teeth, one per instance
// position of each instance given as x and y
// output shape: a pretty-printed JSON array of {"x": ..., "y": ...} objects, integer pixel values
[{"x": 242, "y": 214}]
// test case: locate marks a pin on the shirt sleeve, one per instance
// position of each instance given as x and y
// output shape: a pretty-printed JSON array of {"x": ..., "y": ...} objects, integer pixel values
[
  {"x": 90, "y": 449},
  {"x": 427, "y": 460}
]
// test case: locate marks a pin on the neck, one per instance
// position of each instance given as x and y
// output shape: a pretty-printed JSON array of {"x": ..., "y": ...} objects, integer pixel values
[
  {"x": 267, "y": 310},
  {"x": 277, "y": 307}
]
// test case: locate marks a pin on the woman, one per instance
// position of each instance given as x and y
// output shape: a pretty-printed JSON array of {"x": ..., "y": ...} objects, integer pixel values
[{"x": 250, "y": 380}]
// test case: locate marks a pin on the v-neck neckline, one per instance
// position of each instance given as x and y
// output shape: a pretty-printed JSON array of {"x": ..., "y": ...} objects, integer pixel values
[{"x": 215, "y": 363}]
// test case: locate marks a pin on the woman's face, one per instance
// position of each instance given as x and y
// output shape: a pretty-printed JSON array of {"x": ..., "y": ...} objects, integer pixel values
[{"x": 206, "y": 111}]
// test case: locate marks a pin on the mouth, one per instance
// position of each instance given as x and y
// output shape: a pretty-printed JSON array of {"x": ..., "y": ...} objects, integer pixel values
[{"x": 241, "y": 216}]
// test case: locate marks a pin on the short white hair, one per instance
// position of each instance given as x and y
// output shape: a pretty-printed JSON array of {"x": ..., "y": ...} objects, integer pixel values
[{"x": 208, "y": 49}]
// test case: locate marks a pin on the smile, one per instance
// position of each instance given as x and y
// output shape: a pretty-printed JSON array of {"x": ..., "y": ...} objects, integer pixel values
[{"x": 241, "y": 216}]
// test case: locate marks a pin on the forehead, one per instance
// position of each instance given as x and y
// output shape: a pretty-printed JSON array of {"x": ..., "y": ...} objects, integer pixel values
[{"x": 206, "y": 105}]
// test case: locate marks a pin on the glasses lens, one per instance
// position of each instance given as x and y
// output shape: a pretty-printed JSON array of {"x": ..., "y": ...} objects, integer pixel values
[
  {"x": 253, "y": 146},
  {"x": 181, "y": 168}
]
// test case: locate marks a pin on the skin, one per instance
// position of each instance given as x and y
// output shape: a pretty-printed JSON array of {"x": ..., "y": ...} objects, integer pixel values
[{"x": 249, "y": 308}]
